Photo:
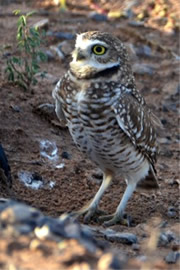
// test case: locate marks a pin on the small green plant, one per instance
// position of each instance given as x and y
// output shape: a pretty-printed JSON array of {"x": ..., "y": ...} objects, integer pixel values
[{"x": 22, "y": 69}]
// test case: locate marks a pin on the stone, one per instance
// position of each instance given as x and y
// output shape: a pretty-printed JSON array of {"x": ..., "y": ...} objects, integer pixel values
[
  {"x": 65, "y": 155},
  {"x": 143, "y": 69},
  {"x": 108, "y": 261},
  {"x": 57, "y": 52},
  {"x": 171, "y": 212},
  {"x": 136, "y": 23},
  {"x": 135, "y": 247},
  {"x": 42, "y": 24},
  {"x": 125, "y": 238},
  {"x": 97, "y": 16},
  {"x": 31, "y": 180},
  {"x": 163, "y": 240},
  {"x": 19, "y": 213},
  {"x": 172, "y": 257},
  {"x": 144, "y": 51},
  {"x": 61, "y": 35},
  {"x": 49, "y": 150}
]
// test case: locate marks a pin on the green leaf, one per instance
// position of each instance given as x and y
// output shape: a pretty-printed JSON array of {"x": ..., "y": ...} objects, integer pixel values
[
  {"x": 11, "y": 73},
  {"x": 35, "y": 67},
  {"x": 31, "y": 13},
  {"x": 27, "y": 47},
  {"x": 23, "y": 20},
  {"x": 19, "y": 22},
  {"x": 43, "y": 74},
  {"x": 34, "y": 32},
  {"x": 16, "y": 60},
  {"x": 17, "y": 11},
  {"x": 22, "y": 84},
  {"x": 21, "y": 43},
  {"x": 34, "y": 81},
  {"x": 11, "y": 77},
  {"x": 42, "y": 56},
  {"x": 19, "y": 32}
]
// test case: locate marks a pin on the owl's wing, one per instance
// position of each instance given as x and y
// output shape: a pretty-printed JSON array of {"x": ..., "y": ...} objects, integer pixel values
[
  {"x": 58, "y": 104},
  {"x": 136, "y": 120}
]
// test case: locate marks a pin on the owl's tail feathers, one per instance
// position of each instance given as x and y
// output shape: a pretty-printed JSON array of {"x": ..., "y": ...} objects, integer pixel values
[{"x": 150, "y": 181}]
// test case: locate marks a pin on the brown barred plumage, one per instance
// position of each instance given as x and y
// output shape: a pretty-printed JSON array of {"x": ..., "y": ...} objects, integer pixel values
[{"x": 107, "y": 117}]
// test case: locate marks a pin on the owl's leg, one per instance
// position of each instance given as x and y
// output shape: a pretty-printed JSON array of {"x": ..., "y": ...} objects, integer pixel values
[
  {"x": 92, "y": 207},
  {"x": 118, "y": 216}
]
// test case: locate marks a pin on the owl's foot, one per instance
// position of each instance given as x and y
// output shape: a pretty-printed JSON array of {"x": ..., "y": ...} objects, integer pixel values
[
  {"x": 93, "y": 214},
  {"x": 90, "y": 214},
  {"x": 110, "y": 220}
]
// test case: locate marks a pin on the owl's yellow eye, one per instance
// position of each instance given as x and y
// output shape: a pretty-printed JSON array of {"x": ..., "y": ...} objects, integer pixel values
[{"x": 99, "y": 49}]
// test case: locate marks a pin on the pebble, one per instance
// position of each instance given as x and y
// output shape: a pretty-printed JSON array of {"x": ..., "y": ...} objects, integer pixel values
[
  {"x": 175, "y": 244},
  {"x": 108, "y": 261},
  {"x": 97, "y": 17},
  {"x": 34, "y": 244},
  {"x": 172, "y": 257},
  {"x": 50, "y": 56},
  {"x": 143, "y": 69},
  {"x": 6, "y": 55},
  {"x": 46, "y": 108},
  {"x": 169, "y": 107},
  {"x": 165, "y": 140},
  {"x": 31, "y": 180},
  {"x": 60, "y": 166},
  {"x": 42, "y": 24},
  {"x": 135, "y": 247},
  {"x": 165, "y": 238},
  {"x": 49, "y": 150},
  {"x": 166, "y": 152},
  {"x": 23, "y": 229},
  {"x": 125, "y": 238},
  {"x": 16, "y": 108},
  {"x": 164, "y": 121},
  {"x": 144, "y": 51},
  {"x": 61, "y": 35},
  {"x": 18, "y": 213},
  {"x": 155, "y": 91},
  {"x": 18, "y": 219},
  {"x": 136, "y": 23},
  {"x": 171, "y": 236},
  {"x": 163, "y": 224},
  {"x": 65, "y": 155},
  {"x": 173, "y": 182},
  {"x": 65, "y": 47},
  {"x": 43, "y": 232},
  {"x": 171, "y": 212},
  {"x": 58, "y": 52}
]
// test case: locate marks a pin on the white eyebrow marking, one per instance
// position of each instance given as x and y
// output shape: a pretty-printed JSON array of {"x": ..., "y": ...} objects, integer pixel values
[{"x": 84, "y": 44}]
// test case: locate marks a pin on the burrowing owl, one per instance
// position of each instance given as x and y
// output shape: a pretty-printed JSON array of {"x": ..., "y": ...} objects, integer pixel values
[{"x": 107, "y": 117}]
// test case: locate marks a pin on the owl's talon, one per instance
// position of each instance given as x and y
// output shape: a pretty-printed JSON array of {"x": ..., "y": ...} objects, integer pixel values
[
  {"x": 113, "y": 219},
  {"x": 93, "y": 214}
]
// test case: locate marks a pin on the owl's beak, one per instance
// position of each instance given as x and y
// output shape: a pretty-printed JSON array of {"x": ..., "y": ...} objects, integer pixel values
[{"x": 80, "y": 55}]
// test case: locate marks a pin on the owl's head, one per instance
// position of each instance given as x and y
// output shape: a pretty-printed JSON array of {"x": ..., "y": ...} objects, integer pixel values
[{"x": 98, "y": 54}]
